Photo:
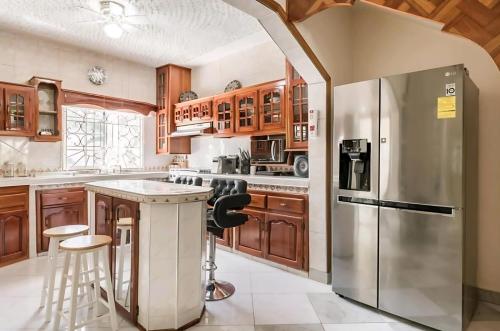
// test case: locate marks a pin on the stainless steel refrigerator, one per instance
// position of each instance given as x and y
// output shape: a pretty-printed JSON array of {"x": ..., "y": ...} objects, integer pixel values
[{"x": 405, "y": 195}]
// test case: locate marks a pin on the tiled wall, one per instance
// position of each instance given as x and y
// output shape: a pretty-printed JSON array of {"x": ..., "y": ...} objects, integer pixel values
[
  {"x": 257, "y": 65},
  {"x": 28, "y": 56},
  {"x": 205, "y": 148},
  {"x": 46, "y": 156}
]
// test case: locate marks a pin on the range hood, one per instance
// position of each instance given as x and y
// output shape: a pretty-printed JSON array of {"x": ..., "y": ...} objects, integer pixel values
[{"x": 194, "y": 130}]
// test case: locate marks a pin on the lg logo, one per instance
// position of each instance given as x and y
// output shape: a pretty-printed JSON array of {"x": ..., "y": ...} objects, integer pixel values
[{"x": 450, "y": 89}]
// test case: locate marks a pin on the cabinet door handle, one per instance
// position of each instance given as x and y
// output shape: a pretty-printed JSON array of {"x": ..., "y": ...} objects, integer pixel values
[{"x": 46, "y": 222}]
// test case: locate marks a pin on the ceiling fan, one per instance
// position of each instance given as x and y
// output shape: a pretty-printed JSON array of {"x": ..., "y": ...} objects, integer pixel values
[{"x": 115, "y": 20}]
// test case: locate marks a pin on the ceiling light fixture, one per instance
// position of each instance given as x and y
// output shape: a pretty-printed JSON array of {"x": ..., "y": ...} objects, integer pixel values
[{"x": 113, "y": 30}]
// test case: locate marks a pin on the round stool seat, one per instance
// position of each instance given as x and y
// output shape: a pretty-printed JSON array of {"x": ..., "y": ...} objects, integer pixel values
[
  {"x": 83, "y": 243},
  {"x": 66, "y": 230}
]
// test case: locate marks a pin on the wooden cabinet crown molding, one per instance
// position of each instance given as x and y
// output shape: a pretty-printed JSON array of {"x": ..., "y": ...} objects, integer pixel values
[
  {"x": 71, "y": 97},
  {"x": 475, "y": 20}
]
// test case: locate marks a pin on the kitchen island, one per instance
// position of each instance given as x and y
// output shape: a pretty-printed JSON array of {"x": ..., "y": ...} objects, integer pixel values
[{"x": 158, "y": 248}]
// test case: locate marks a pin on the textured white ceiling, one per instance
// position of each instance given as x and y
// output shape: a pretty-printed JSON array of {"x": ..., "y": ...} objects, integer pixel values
[{"x": 176, "y": 31}]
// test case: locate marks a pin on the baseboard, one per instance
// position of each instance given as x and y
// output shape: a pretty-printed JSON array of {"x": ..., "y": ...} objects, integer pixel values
[
  {"x": 320, "y": 276},
  {"x": 488, "y": 296}
]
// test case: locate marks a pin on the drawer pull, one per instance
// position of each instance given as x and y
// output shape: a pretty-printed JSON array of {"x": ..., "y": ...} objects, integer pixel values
[
  {"x": 63, "y": 198},
  {"x": 282, "y": 204}
]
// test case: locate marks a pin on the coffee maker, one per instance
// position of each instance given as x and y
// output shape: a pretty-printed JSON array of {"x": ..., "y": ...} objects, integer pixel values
[{"x": 224, "y": 164}]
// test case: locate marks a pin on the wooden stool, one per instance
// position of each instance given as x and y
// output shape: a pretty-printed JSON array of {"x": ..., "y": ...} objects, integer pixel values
[
  {"x": 79, "y": 247},
  {"x": 56, "y": 235},
  {"x": 125, "y": 226}
]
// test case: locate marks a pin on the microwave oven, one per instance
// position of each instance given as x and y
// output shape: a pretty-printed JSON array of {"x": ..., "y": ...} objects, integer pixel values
[{"x": 271, "y": 150}]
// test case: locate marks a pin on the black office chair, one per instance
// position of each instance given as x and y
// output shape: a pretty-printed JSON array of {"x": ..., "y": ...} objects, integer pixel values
[
  {"x": 229, "y": 197},
  {"x": 188, "y": 180}
]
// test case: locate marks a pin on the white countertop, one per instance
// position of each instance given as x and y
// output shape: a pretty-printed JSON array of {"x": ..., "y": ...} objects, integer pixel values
[
  {"x": 150, "y": 191},
  {"x": 56, "y": 178}
]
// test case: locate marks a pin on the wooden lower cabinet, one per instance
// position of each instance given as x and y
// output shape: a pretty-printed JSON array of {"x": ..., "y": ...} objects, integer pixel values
[
  {"x": 285, "y": 239},
  {"x": 59, "y": 207},
  {"x": 227, "y": 238},
  {"x": 277, "y": 229},
  {"x": 112, "y": 216},
  {"x": 250, "y": 236},
  {"x": 14, "y": 235}
]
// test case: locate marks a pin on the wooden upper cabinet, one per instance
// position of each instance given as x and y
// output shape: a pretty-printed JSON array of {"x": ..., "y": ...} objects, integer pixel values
[
  {"x": 16, "y": 110},
  {"x": 47, "y": 109},
  {"x": 246, "y": 111},
  {"x": 171, "y": 81},
  {"x": 297, "y": 109},
  {"x": 193, "y": 111},
  {"x": 272, "y": 107},
  {"x": 223, "y": 109},
  {"x": 161, "y": 132}
]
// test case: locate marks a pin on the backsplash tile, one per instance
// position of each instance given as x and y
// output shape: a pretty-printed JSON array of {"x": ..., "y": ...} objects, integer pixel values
[{"x": 205, "y": 148}]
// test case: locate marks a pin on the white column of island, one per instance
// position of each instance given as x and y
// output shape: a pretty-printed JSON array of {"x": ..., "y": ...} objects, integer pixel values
[{"x": 172, "y": 249}]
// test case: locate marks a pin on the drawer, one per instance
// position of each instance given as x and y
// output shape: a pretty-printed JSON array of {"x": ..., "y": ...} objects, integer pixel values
[
  {"x": 291, "y": 205},
  {"x": 14, "y": 202},
  {"x": 258, "y": 200},
  {"x": 50, "y": 199}
]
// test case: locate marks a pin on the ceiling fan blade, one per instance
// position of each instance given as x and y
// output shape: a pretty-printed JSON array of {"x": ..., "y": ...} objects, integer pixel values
[
  {"x": 92, "y": 21},
  {"x": 137, "y": 19},
  {"x": 131, "y": 28},
  {"x": 90, "y": 10}
]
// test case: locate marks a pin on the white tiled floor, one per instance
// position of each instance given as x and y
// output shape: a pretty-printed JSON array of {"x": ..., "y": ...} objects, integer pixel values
[{"x": 267, "y": 299}]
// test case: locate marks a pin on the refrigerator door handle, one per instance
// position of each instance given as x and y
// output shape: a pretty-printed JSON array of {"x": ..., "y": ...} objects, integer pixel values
[
  {"x": 355, "y": 200},
  {"x": 421, "y": 209}
]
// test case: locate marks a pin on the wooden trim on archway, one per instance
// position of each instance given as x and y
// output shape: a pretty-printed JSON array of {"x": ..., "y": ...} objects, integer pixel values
[
  {"x": 299, "y": 10},
  {"x": 278, "y": 9},
  {"x": 476, "y": 20}
]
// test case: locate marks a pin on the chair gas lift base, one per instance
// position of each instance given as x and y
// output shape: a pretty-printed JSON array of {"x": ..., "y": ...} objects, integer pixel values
[{"x": 229, "y": 197}]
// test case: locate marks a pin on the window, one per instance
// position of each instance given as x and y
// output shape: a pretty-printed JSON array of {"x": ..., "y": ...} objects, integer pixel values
[{"x": 102, "y": 139}]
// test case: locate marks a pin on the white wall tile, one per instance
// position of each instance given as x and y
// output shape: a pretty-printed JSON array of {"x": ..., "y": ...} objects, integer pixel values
[{"x": 205, "y": 148}]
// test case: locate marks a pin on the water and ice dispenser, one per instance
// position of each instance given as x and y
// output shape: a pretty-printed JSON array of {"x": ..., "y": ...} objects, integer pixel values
[{"x": 355, "y": 165}]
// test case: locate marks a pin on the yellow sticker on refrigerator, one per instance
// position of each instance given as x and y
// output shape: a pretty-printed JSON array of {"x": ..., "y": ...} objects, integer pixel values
[{"x": 446, "y": 107}]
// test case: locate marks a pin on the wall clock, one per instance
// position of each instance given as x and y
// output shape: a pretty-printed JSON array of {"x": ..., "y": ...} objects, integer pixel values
[{"x": 97, "y": 75}]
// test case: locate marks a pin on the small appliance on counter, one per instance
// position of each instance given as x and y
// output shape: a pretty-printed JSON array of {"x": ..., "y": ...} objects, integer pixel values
[
  {"x": 9, "y": 169},
  {"x": 301, "y": 166},
  {"x": 225, "y": 164},
  {"x": 270, "y": 149}
]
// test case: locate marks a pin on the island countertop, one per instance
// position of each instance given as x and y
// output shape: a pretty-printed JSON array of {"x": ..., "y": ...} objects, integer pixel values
[{"x": 146, "y": 191}]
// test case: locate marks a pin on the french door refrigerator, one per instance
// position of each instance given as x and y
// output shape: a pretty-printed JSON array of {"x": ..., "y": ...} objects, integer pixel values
[{"x": 405, "y": 195}]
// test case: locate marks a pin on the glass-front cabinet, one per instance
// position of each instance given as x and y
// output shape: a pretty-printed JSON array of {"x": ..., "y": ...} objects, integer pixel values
[
  {"x": 47, "y": 109},
  {"x": 223, "y": 119},
  {"x": 246, "y": 112},
  {"x": 297, "y": 110},
  {"x": 272, "y": 107},
  {"x": 161, "y": 134},
  {"x": 16, "y": 110}
]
